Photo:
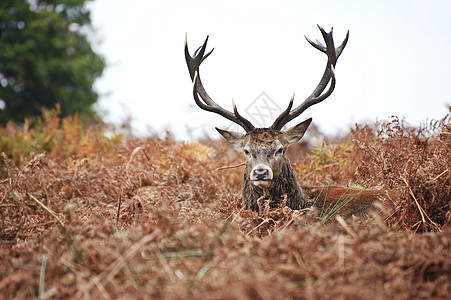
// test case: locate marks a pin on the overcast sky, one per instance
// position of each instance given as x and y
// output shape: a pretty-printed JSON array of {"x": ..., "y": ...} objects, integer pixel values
[{"x": 397, "y": 61}]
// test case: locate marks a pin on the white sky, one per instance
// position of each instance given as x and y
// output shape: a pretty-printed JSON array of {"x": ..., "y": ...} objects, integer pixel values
[{"x": 397, "y": 61}]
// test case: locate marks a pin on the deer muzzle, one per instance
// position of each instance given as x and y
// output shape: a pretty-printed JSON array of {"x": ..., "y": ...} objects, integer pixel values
[{"x": 261, "y": 175}]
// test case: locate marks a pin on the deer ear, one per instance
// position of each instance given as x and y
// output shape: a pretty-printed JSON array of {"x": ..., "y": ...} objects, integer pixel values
[
  {"x": 235, "y": 139},
  {"x": 295, "y": 133}
]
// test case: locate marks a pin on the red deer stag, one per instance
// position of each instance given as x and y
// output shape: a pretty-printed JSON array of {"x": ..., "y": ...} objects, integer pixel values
[{"x": 268, "y": 173}]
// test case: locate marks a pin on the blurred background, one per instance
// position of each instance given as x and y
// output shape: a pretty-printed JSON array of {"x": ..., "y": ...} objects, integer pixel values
[{"x": 396, "y": 62}]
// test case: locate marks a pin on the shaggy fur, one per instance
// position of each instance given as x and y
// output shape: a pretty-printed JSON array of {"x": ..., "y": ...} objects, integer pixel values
[{"x": 283, "y": 184}]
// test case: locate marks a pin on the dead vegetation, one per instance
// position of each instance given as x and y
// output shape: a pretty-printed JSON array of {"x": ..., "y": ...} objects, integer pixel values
[{"x": 86, "y": 216}]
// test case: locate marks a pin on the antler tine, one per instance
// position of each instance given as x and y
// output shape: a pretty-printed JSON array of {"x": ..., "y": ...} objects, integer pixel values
[
  {"x": 329, "y": 75},
  {"x": 207, "y": 103},
  {"x": 284, "y": 114},
  {"x": 342, "y": 46}
]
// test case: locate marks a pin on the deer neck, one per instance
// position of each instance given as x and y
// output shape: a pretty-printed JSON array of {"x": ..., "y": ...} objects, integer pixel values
[{"x": 285, "y": 183}]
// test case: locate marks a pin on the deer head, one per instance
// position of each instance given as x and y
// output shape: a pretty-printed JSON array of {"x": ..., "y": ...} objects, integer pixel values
[{"x": 268, "y": 172}]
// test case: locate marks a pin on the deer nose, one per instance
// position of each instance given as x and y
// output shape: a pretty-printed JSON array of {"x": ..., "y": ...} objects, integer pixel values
[{"x": 261, "y": 174}]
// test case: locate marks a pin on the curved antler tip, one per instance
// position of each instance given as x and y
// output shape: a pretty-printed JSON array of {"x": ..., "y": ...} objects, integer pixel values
[
  {"x": 235, "y": 110},
  {"x": 321, "y": 28}
]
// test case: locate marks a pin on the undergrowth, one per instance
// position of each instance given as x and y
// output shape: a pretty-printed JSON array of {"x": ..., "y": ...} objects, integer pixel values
[
  {"x": 58, "y": 138},
  {"x": 84, "y": 215}
]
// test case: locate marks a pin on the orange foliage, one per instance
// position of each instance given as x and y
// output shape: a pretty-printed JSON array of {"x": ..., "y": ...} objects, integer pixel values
[{"x": 133, "y": 218}]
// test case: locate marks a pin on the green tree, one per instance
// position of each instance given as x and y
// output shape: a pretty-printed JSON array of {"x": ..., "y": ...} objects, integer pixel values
[{"x": 46, "y": 58}]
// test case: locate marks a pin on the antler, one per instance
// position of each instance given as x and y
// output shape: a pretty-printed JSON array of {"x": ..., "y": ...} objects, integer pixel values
[
  {"x": 317, "y": 95},
  {"x": 207, "y": 103}
]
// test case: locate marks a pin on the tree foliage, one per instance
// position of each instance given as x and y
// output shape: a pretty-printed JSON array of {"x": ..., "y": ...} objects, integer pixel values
[{"x": 46, "y": 58}]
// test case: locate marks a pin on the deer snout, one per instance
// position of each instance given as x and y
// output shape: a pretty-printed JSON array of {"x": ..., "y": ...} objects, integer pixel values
[{"x": 261, "y": 175}]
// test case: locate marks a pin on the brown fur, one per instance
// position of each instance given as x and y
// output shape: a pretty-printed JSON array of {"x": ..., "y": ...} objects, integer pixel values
[
  {"x": 261, "y": 146},
  {"x": 361, "y": 202},
  {"x": 263, "y": 143},
  {"x": 285, "y": 184}
]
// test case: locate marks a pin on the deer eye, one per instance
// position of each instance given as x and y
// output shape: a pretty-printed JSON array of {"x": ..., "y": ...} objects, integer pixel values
[
  {"x": 246, "y": 152},
  {"x": 279, "y": 151}
]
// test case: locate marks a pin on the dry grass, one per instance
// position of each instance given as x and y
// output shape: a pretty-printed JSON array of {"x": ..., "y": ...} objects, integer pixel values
[{"x": 84, "y": 216}]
